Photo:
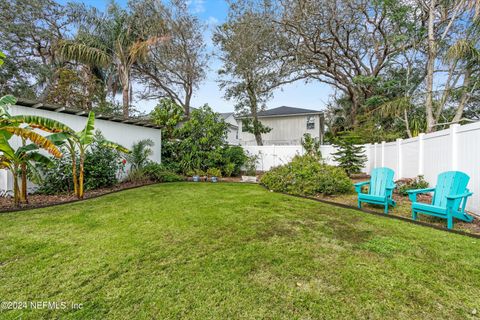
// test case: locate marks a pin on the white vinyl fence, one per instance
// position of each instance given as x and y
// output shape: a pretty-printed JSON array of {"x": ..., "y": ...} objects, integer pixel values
[{"x": 457, "y": 148}]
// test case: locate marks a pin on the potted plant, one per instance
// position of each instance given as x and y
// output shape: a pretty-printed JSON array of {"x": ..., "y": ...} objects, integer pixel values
[
  {"x": 196, "y": 174},
  {"x": 250, "y": 169},
  {"x": 214, "y": 174}
]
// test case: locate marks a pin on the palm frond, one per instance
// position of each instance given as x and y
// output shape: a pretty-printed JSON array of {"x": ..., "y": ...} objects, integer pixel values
[
  {"x": 87, "y": 134},
  {"x": 462, "y": 50},
  {"x": 396, "y": 106},
  {"x": 5, "y": 147},
  {"x": 37, "y": 122},
  {"x": 7, "y": 100},
  {"x": 84, "y": 53},
  {"x": 115, "y": 146},
  {"x": 35, "y": 138}
]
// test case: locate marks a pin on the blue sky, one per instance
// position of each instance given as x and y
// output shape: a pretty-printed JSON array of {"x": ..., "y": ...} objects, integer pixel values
[{"x": 310, "y": 96}]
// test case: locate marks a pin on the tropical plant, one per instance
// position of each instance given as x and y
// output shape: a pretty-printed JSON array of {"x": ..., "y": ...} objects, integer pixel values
[
  {"x": 22, "y": 160},
  {"x": 214, "y": 172},
  {"x": 101, "y": 164},
  {"x": 350, "y": 155},
  {"x": 109, "y": 41},
  {"x": 141, "y": 151},
  {"x": 81, "y": 141}
]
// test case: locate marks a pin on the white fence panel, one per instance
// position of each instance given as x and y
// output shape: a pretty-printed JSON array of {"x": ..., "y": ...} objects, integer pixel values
[
  {"x": 469, "y": 160},
  {"x": 437, "y": 155},
  {"x": 409, "y": 159},
  {"x": 456, "y": 148}
]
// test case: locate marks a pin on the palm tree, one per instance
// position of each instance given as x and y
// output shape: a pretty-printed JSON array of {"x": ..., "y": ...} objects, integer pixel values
[
  {"x": 109, "y": 41},
  {"x": 139, "y": 154}
]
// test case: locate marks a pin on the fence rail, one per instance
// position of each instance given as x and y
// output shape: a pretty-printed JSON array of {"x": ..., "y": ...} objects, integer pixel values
[{"x": 456, "y": 148}]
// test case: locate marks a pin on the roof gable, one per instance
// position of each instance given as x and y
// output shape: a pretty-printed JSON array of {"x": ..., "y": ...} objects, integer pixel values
[{"x": 284, "y": 111}]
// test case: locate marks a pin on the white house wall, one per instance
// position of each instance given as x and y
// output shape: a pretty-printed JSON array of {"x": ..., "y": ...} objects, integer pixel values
[{"x": 121, "y": 133}]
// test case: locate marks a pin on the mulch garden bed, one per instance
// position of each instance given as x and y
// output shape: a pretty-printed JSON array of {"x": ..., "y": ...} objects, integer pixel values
[
  {"x": 42, "y": 200},
  {"x": 403, "y": 209}
]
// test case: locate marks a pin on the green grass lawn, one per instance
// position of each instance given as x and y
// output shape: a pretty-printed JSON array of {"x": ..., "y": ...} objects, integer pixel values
[{"x": 224, "y": 251}]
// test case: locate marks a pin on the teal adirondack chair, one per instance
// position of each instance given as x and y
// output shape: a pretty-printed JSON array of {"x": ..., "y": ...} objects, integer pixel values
[
  {"x": 449, "y": 198},
  {"x": 380, "y": 190}
]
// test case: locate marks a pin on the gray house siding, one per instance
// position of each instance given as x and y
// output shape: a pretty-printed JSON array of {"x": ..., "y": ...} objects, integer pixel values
[{"x": 286, "y": 129}]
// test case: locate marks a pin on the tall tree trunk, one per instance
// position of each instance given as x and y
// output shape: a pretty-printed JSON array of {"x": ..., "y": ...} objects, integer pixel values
[
  {"x": 464, "y": 98},
  {"x": 431, "y": 56},
  {"x": 407, "y": 125},
  {"x": 126, "y": 99},
  {"x": 254, "y": 110},
  {"x": 186, "y": 106}
]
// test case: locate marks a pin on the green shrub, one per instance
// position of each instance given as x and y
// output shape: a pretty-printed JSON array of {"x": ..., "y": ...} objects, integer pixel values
[
  {"x": 158, "y": 173},
  {"x": 100, "y": 168},
  {"x": 233, "y": 159},
  {"x": 229, "y": 169},
  {"x": 57, "y": 178},
  {"x": 410, "y": 184},
  {"x": 214, "y": 172},
  {"x": 136, "y": 175},
  {"x": 250, "y": 167},
  {"x": 305, "y": 175}
]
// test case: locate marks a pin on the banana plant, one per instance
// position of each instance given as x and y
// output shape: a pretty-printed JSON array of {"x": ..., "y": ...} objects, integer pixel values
[
  {"x": 22, "y": 159},
  {"x": 80, "y": 141},
  {"x": 13, "y": 160}
]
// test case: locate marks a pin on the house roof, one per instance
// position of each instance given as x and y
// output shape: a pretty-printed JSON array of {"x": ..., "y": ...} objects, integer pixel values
[
  {"x": 225, "y": 115},
  {"x": 84, "y": 113},
  {"x": 285, "y": 111}
]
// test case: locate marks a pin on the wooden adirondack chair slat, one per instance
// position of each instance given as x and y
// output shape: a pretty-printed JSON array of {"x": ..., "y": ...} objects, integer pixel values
[
  {"x": 380, "y": 189},
  {"x": 449, "y": 198}
]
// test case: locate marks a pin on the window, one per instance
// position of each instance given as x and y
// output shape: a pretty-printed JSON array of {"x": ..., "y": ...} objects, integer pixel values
[{"x": 310, "y": 123}]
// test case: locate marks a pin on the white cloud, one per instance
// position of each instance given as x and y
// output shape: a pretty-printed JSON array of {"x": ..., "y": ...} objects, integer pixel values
[
  {"x": 196, "y": 6},
  {"x": 212, "y": 21}
]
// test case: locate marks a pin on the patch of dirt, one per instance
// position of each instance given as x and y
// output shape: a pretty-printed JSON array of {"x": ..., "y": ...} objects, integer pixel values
[{"x": 41, "y": 200}]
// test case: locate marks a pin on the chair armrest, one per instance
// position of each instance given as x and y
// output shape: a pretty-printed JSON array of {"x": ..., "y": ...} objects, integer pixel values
[
  {"x": 419, "y": 191},
  {"x": 359, "y": 185},
  {"x": 412, "y": 194},
  {"x": 457, "y": 196},
  {"x": 392, "y": 186}
]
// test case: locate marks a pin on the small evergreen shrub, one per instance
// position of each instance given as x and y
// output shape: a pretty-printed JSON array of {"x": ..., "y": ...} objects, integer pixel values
[
  {"x": 411, "y": 184},
  {"x": 350, "y": 155},
  {"x": 305, "y": 175}
]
